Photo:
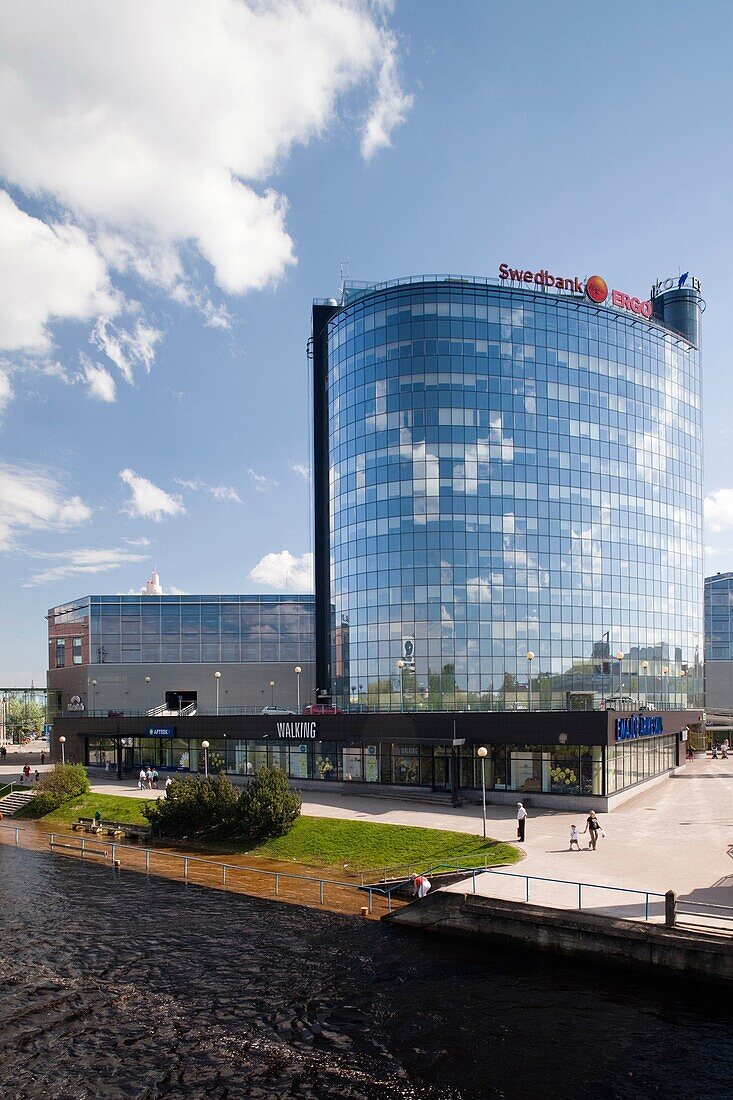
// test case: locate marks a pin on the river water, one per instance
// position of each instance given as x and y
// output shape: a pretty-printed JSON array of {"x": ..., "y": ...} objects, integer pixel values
[{"x": 128, "y": 987}]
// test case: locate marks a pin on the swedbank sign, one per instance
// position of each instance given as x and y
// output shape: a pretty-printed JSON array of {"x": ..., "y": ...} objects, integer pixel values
[{"x": 595, "y": 288}]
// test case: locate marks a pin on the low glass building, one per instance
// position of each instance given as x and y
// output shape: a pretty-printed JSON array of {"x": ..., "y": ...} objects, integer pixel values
[{"x": 135, "y": 653}]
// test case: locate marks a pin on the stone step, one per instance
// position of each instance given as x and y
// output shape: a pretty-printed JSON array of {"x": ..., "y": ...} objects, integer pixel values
[{"x": 12, "y": 802}]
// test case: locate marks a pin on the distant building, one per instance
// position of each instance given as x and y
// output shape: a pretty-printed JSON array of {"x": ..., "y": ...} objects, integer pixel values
[
  {"x": 134, "y": 654},
  {"x": 719, "y": 642}
]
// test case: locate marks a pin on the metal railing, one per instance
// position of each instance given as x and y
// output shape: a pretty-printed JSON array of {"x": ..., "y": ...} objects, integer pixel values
[
  {"x": 703, "y": 909},
  {"x": 333, "y": 894},
  {"x": 11, "y": 788},
  {"x": 579, "y": 886},
  {"x": 482, "y": 707}
]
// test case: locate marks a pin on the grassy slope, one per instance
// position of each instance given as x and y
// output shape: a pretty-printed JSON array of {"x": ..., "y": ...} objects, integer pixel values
[
  {"x": 324, "y": 842},
  {"x": 319, "y": 841},
  {"x": 112, "y": 807}
]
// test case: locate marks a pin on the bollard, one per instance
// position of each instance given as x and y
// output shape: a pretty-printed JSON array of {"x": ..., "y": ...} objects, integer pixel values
[
  {"x": 185, "y": 868},
  {"x": 147, "y": 859},
  {"x": 365, "y": 910},
  {"x": 277, "y": 885},
  {"x": 670, "y": 908},
  {"x": 17, "y": 835},
  {"x": 224, "y": 875}
]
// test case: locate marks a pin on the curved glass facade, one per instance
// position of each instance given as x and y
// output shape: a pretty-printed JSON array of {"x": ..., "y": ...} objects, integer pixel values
[{"x": 511, "y": 471}]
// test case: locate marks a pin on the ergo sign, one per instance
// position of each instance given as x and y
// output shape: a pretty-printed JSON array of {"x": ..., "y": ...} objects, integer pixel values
[{"x": 594, "y": 288}]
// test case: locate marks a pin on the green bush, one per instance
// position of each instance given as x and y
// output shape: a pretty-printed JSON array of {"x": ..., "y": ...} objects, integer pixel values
[
  {"x": 65, "y": 782},
  {"x": 267, "y": 808},
  {"x": 214, "y": 807},
  {"x": 194, "y": 806}
]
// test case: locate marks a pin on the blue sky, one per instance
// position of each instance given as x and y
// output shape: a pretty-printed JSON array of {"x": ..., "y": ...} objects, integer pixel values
[{"x": 175, "y": 193}]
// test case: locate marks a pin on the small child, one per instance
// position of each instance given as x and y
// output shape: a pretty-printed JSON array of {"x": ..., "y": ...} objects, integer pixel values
[{"x": 574, "y": 838}]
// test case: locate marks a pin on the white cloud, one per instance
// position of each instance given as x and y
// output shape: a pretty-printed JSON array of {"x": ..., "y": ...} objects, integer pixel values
[
  {"x": 125, "y": 349},
  {"x": 719, "y": 510},
  {"x": 390, "y": 107},
  {"x": 223, "y": 493},
  {"x": 284, "y": 572},
  {"x": 173, "y": 591},
  {"x": 6, "y": 390},
  {"x": 148, "y": 501},
  {"x": 262, "y": 484},
  {"x": 154, "y": 150},
  {"x": 101, "y": 384},
  {"x": 31, "y": 500},
  {"x": 76, "y": 562},
  {"x": 300, "y": 469},
  {"x": 47, "y": 272}
]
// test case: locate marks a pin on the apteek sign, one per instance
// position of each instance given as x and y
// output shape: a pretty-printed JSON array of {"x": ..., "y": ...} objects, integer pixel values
[
  {"x": 676, "y": 282},
  {"x": 627, "y": 729},
  {"x": 595, "y": 288},
  {"x": 298, "y": 730},
  {"x": 160, "y": 731}
]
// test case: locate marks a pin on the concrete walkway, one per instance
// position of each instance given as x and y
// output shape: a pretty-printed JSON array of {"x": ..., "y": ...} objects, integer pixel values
[{"x": 677, "y": 835}]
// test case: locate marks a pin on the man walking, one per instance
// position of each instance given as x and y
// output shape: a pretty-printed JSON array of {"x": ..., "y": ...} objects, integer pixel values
[{"x": 521, "y": 820}]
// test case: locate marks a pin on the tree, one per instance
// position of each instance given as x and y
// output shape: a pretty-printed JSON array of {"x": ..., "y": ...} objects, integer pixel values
[
  {"x": 194, "y": 806},
  {"x": 267, "y": 807},
  {"x": 23, "y": 717}
]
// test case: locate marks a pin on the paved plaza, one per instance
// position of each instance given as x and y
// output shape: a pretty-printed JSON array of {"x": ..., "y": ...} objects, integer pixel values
[{"x": 676, "y": 835}]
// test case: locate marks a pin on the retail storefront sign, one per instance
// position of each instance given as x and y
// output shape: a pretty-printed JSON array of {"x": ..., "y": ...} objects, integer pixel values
[
  {"x": 627, "y": 729},
  {"x": 161, "y": 731},
  {"x": 298, "y": 730}
]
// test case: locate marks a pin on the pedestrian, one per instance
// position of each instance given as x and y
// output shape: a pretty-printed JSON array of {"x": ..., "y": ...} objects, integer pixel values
[
  {"x": 27, "y": 771},
  {"x": 168, "y": 783},
  {"x": 141, "y": 780},
  {"x": 149, "y": 778},
  {"x": 43, "y": 757},
  {"x": 593, "y": 828},
  {"x": 37, "y": 776},
  {"x": 521, "y": 821},
  {"x": 574, "y": 838},
  {"x": 724, "y": 749},
  {"x": 422, "y": 884},
  {"x": 155, "y": 778}
]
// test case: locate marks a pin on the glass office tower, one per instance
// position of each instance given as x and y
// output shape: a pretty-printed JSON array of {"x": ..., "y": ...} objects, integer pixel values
[{"x": 505, "y": 471}]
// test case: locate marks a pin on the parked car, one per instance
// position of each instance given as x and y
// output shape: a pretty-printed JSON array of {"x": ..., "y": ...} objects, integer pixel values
[
  {"x": 277, "y": 710},
  {"x": 319, "y": 708}
]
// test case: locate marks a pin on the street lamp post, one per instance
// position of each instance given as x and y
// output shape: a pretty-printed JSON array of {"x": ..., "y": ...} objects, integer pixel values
[
  {"x": 94, "y": 688},
  {"x": 530, "y": 658},
  {"x": 272, "y": 693},
  {"x": 147, "y": 695},
  {"x": 645, "y": 666},
  {"x": 298, "y": 671},
  {"x": 482, "y": 753},
  {"x": 205, "y": 747},
  {"x": 400, "y": 666},
  {"x": 619, "y": 657},
  {"x": 62, "y": 742},
  {"x": 217, "y": 677}
]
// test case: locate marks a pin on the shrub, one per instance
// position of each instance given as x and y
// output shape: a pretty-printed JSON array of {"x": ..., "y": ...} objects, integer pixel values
[
  {"x": 194, "y": 806},
  {"x": 267, "y": 808},
  {"x": 65, "y": 782}
]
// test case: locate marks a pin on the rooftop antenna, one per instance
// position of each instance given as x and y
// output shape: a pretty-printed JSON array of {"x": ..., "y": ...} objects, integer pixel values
[{"x": 344, "y": 274}]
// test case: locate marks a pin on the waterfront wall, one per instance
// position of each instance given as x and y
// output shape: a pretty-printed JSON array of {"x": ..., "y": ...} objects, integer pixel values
[{"x": 629, "y": 943}]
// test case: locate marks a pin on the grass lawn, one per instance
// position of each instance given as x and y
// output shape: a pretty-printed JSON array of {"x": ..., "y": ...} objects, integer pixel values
[
  {"x": 113, "y": 807},
  {"x": 363, "y": 846},
  {"x": 318, "y": 841}
]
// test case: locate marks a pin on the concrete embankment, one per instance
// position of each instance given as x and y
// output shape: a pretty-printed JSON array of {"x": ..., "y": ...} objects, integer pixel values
[{"x": 630, "y": 943}]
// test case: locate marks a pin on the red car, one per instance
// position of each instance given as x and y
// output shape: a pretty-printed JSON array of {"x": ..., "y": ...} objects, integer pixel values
[{"x": 319, "y": 708}]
